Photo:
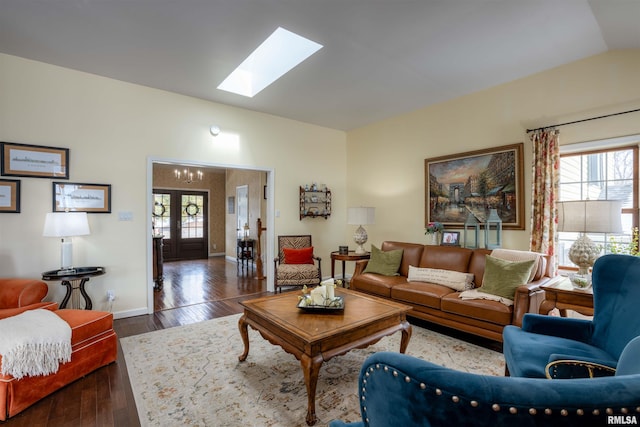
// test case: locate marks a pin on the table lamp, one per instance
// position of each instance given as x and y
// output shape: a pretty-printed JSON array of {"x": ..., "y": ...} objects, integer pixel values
[
  {"x": 361, "y": 216},
  {"x": 588, "y": 216},
  {"x": 66, "y": 225}
]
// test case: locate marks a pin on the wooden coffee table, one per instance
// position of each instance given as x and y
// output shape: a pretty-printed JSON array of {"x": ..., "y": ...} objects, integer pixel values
[{"x": 315, "y": 337}]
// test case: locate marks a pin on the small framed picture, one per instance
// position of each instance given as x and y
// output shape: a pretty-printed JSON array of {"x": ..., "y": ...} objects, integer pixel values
[
  {"x": 76, "y": 197},
  {"x": 9, "y": 196},
  {"x": 450, "y": 238},
  {"x": 34, "y": 161}
]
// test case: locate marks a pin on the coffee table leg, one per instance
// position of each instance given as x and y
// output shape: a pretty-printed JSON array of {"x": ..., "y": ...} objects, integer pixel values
[
  {"x": 406, "y": 336},
  {"x": 311, "y": 369},
  {"x": 244, "y": 333}
]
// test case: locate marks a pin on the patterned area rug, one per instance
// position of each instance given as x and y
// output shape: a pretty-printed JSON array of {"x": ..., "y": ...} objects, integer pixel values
[{"x": 190, "y": 375}]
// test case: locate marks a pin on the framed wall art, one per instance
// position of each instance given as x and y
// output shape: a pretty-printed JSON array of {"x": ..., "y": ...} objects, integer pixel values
[
  {"x": 34, "y": 161},
  {"x": 450, "y": 238},
  {"x": 9, "y": 196},
  {"x": 472, "y": 183},
  {"x": 76, "y": 197}
]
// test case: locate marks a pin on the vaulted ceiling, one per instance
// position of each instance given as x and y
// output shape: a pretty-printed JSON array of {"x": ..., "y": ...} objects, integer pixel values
[{"x": 380, "y": 57}]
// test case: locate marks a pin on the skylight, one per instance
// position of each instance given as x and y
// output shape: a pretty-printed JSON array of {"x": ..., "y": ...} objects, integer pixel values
[{"x": 278, "y": 54}]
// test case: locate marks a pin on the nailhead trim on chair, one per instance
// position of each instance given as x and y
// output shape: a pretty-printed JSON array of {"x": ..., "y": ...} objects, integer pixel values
[{"x": 456, "y": 399}]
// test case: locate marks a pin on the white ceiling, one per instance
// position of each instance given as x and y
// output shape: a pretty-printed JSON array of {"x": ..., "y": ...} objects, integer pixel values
[{"x": 380, "y": 57}]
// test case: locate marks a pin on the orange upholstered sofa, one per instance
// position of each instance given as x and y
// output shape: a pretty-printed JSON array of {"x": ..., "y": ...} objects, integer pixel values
[{"x": 93, "y": 344}]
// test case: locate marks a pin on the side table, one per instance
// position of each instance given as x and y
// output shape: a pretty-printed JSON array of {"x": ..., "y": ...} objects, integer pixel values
[
  {"x": 244, "y": 255},
  {"x": 351, "y": 256},
  {"x": 74, "y": 279},
  {"x": 562, "y": 295}
]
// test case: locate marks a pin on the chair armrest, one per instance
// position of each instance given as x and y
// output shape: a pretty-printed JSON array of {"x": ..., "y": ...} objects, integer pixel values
[
  {"x": 360, "y": 266},
  {"x": 522, "y": 301},
  {"x": 563, "y": 327},
  {"x": 566, "y": 368},
  {"x": 400, "y": 390}
]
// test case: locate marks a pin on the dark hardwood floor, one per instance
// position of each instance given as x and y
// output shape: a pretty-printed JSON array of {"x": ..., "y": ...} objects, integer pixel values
[{"x": 193, "y": 291}]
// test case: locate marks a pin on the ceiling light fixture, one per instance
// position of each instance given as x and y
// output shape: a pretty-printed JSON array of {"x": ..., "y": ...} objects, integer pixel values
[
  {"x": 215, "y": 130},
  {"x": 278, "y": 54}
]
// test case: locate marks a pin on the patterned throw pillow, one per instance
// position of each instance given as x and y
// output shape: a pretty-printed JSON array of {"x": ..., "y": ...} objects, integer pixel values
[
  {"x": 298, "y": 256},
  {"x": 455, "y": 280},
  {"x": 385, "y": 263}
]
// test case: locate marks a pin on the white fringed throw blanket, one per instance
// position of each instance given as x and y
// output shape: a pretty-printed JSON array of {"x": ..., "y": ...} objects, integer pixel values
[{"x": 34, "y": 343}]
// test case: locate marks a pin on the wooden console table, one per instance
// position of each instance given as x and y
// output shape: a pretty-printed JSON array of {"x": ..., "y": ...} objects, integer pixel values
[{"x": 74, "y": 279}]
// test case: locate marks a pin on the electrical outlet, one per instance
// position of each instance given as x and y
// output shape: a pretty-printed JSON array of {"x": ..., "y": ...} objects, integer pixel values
[{"x": 111, "y": 295}]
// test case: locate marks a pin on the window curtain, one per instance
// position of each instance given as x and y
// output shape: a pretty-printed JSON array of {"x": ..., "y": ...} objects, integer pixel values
[{"x": 544, "y": 193}]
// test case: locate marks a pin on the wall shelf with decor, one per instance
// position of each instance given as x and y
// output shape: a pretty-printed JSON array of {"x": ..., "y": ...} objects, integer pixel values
[{"x": 315, "y": 202}]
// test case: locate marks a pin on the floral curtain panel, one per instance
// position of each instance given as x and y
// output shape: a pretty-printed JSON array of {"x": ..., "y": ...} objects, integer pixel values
[{"x": 544, "y": 192}]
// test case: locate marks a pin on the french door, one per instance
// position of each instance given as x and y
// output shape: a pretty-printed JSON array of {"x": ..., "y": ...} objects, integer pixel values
[{"x": 181, "y": 217}]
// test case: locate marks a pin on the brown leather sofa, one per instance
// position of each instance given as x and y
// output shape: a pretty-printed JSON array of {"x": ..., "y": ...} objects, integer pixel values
[
  {"x": 442, "y": 305},
  {"x": 93, "y": 344}
]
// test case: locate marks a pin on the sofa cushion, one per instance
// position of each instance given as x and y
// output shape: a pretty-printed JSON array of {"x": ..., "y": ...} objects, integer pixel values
[
  {"x": 298, "y": 256},
  {"x": 377, "y": 284},
  {"x": 86, "y": 324},
  {"x": 386, "y": 263},
  {"x": 484, "y": 310},
  {"x": 503, "y": 277},
  {"x": 411, "y": 253},
  {"x": 452, "y": 279},
  {"x": 446, "y": 258},
  {"x": 418, "y": 293}
]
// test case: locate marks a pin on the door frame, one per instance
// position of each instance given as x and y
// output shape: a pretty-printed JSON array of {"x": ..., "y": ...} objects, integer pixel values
[{"x": 270, "y": 222}]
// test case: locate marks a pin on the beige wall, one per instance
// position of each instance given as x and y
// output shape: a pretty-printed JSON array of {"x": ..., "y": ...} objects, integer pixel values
[
  {"x": 386, "y": 159},
  {"x": 114, "y": 130}
]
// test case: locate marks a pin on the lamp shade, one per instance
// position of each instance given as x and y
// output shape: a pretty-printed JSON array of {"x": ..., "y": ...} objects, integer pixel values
[
  {"x": 66, "y": 224},
  {"x": 361, "y": 216},
  {"x": 590, "y": 216}
]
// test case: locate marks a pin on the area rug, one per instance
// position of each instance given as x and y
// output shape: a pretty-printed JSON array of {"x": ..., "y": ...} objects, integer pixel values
[{"x": 190, "y": 375}]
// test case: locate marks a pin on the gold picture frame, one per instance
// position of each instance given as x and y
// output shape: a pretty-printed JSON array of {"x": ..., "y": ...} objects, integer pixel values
[
  {"x": 34, "y": 161},
  {"x": 80, "y": 197},
  {"x": 9, "y": 196},
  {"x": 474, "y": 182}
]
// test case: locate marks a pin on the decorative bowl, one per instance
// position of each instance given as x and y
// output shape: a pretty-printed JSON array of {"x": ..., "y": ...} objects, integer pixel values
[{"x": 580, "y": 281}]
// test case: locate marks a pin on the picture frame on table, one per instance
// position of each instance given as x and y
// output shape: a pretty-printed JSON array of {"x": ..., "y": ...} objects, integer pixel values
[
  {"x": 34, "y": 161},
  {"x": 9, "y": 196},
  {"x": 450, "y": 238},
  {"x": 81, "y": 197},
  {"x": 474, "y": 182}
]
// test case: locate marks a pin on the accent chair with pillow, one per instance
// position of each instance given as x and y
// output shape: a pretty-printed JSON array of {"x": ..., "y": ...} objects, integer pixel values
[
  {"x": 616, "y": 321},
  {"x": 400, "y": 390},
  {"x": 295, "y": 264},
  {"x": 20, "y": 295}
]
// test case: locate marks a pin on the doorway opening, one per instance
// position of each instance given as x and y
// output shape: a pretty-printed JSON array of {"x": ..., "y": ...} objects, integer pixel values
[{"x": 200, "y": 230}]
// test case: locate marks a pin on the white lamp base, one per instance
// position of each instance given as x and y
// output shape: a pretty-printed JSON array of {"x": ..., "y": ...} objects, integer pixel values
[
  {"x": 360, "y": 237},
  {"x": 66, "y": 254},
  {"x": 584, "y": 253}
]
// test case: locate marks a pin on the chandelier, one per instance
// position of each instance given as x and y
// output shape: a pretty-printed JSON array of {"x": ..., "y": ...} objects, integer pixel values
[{"x": 187, "y": 176}]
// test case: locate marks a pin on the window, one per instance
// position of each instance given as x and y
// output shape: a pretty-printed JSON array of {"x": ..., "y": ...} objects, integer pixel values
[{"x": 600, "y": 174}]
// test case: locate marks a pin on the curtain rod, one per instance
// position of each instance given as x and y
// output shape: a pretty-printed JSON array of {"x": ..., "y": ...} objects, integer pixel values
[{"x": 584, "y": 120}]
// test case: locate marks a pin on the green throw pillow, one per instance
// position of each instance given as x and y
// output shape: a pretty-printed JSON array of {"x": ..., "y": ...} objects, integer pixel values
[
  {"x": 503, "y": 277},
  {"x": 385, "y": 263}
]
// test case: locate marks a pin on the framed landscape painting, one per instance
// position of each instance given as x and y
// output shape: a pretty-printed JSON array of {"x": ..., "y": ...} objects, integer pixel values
[{"x": 471, "y": 183}]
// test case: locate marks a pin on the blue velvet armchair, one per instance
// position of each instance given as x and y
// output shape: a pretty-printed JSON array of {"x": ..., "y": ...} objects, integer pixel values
[
  {"x": 616, "y": 321},
  {"x": 400, "y": 390}
]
